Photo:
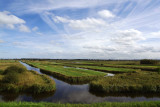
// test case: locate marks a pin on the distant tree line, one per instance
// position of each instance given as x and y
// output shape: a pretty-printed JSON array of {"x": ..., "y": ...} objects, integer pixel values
[{"x": 149, "y": 61}]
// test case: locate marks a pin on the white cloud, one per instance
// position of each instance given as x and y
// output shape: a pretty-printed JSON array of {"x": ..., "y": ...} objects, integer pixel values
[
  {"x": 118, "y": 33},
  {"x": 142, "y": 49},
  {"x": 127, "y": 37},
  {"x": 73, "y": 37},
  {"x": 82, "y": 24},
  {"x": 106, "y": 14},
  {"x": 11, "y": 26},
  {"x": 108, "y": 40},
  {"x": 58, "y": 19},
  {"x": 35, "y": 28},
  {"x": 121, "y": 43},
  {"x": 102, "y": 48},
  {"x": 11, "y": 21},
  {"x": 39, "y": 33},
  {"x": 155, "y": 34},
  {"x": 112, "y": 40},
  {"x": 7, "y": 18},
  {"x": 38, "y": 47},
  {"x": 88, "y": 23},
  {"x": 46, "y": 5},
  {"x": 24, "y": 28}
]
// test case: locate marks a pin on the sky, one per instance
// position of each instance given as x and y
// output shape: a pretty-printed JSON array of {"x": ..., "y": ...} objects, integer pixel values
[{"x": 80, "y": 29}]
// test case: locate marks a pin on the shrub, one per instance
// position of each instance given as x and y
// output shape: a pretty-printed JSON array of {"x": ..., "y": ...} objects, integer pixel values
[
  {"x": 101, "y": 64},
  {"x": 158, "y": 70},
  {"x": 14, "y": 68},
  {"x": 11, "y": 78},
  {"x": 1, "y": 71},
  {"x": 149, "y": 61},
  {"x": 37, "y": 88}
]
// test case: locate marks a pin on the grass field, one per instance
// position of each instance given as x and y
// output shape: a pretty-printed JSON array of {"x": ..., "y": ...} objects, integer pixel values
[
  {"x": 72, "y": 75},
  {"x": 14, "y": 77},
  {"x": 105, "y": 104},
  {"x": 102, "y": 66},
  {"x": 113, "y": 64},
  {"x": 129, "y": 78},
  {"x": 105, "y": 69}
]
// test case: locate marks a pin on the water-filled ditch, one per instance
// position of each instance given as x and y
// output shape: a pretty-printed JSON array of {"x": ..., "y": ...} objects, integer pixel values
[{"x": 68, "y": 93}]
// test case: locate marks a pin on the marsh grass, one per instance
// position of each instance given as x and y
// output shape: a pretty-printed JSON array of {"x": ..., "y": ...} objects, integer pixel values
[
  {"x": 17, "y": 79},
  {"x": 104, "y": 104},
  {"x": 6, "y": 63},
  {"x": 1, "y": 71},
  {"x": 11, "y": 78},
  {"x": 14, "y": 69},
  {"x": 133, "y": 82}
]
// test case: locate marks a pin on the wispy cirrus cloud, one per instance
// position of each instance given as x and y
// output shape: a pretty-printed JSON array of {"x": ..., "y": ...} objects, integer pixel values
[
  {"x": 87, "y": 28},
  {"x": 48, "y": 5}
]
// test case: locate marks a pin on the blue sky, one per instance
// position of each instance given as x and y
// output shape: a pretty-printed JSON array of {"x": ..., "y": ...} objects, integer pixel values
[{"x": 98, "y": 29}]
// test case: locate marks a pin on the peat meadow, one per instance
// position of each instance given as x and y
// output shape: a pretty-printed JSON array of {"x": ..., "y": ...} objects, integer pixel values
[{"x": 51, "y": 82}]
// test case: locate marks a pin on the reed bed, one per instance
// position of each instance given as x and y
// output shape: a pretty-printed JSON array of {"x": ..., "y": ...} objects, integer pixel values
[{"x": 147, "y": 82}]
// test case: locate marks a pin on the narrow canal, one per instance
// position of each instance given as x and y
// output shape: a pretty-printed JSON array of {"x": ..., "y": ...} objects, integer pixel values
[{"x": 68, "y": 93}]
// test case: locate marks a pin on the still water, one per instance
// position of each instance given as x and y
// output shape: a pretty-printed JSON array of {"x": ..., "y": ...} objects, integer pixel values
[{"x": 68, "y": 93}]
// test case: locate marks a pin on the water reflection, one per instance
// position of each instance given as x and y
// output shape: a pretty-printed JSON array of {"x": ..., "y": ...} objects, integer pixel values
[
  {"x": 19, "y": 96},
  {"x": 132, "y": 95},
  {"x": 9, "y": 96},
  {"x": 68, "y": 93},
  {"x": 108, "y": 74}
]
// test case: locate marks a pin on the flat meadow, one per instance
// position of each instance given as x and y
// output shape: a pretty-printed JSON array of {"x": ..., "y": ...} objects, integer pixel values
[
  {"x": 129, "y": 77},
  {"x": 71, "y": 75}
]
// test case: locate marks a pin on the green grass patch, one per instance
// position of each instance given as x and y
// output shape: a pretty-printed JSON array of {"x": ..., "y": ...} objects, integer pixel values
[
  {"x": 72, "y": 75},
  {"x": 109, "y": 63},
  {"x": 106, "y": 69},
  {"x": 105, "y": 104},
  {"x": 89, "y": 65},
  {"x": 142, "y": 67}
]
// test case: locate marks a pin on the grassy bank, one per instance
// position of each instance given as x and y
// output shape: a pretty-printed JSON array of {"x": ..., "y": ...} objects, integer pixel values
[
  {"x": 113, "y": 64},
  {"x": 146, "y": 82},
  {"x": 16, "y": 78},
  {"x": 106, "y": 69},
  {"x": 6, "y": 63},
  {"x": 142, "y": 67},
  {"x": 105, "y": 104},
  {"x": 72, "y": 75}
]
